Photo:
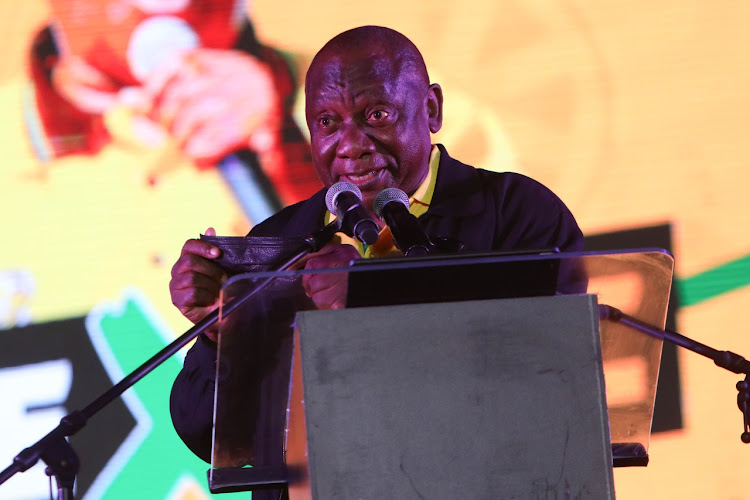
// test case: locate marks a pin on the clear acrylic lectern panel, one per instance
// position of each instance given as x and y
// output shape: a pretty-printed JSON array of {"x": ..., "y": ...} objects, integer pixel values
[{"x": 256, "y": 346}]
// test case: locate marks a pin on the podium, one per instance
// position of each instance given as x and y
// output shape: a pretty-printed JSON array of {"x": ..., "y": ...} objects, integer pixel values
[{"x": 474, "y": 376}]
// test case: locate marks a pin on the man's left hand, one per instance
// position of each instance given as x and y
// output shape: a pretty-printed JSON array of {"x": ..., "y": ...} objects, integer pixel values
[{"x": 328, "y": 290}]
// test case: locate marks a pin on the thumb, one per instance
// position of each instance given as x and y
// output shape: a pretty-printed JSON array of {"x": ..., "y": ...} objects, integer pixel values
[{"x": 210, "y": 232}]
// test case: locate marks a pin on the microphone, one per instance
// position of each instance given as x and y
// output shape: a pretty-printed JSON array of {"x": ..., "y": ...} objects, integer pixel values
[
  {"x": 391, "y": 206},
  {"x": 159, "y": 39},
  {"x": 345, "y": 200},
  {"x": 155, "y": 41}
]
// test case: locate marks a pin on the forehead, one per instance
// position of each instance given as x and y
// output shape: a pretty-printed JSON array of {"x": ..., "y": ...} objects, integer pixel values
[{"x": 350, "y": 77}]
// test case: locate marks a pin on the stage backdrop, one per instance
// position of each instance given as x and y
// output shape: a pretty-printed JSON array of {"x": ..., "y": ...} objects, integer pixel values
[{"x": 633, "y": 112}]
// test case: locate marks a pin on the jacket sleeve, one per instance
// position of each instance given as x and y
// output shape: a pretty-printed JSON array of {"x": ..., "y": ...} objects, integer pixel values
[{"x": 192, "y": 400}]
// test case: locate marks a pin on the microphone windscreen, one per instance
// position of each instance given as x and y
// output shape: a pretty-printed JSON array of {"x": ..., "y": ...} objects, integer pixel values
[
  {"x": 337, "y": 189},
  {"x": 386, "y": 196},
  {"x": 156, "y": 40}
]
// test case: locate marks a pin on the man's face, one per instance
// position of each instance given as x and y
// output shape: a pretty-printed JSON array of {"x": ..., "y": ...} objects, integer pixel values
[{"x": 370, "y": 124}]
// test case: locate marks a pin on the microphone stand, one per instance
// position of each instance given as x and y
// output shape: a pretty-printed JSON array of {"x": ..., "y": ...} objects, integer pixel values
[
  {"x": 54, "y": 449},
  {"x": 724, "y": 359}
]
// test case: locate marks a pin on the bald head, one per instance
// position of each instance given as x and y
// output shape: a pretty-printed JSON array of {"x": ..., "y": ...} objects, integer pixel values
[
  {"x": 371, "y": 111},
  {"x": 373, "y": 42}
]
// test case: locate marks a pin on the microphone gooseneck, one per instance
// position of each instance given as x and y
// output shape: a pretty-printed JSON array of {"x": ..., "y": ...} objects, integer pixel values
[
  {"x": 345, "y": 200},
  {"x": 391, "y": 205}
]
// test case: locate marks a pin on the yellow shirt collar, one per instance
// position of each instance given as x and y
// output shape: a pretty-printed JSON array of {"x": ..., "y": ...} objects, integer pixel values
[{"x": 420, "y": 201}]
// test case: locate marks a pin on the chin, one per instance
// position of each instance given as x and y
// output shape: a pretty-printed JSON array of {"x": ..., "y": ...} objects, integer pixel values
[{"x": 368, "y": 198}]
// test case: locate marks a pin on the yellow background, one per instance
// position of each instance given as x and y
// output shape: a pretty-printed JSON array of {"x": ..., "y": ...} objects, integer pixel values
[{"x": 634, "y": 112}]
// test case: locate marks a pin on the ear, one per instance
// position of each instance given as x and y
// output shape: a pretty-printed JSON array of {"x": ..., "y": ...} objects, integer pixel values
[{"x": 435, "y": 107}]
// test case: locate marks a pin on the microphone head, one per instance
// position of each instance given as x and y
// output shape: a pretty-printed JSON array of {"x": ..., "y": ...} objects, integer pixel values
[
  {"x": 386, "y": 196},
  {"x": 336, "y": 190},
  {"x": 157, "y": 40}
]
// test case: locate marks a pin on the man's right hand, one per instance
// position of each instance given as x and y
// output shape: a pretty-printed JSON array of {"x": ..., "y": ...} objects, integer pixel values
[{"x": 196, "y": 280}]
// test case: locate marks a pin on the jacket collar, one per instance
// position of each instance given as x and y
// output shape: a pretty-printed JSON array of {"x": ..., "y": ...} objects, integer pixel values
[
  {"x": 310, "y": 214},
  {"x": 458, "y": 190}
]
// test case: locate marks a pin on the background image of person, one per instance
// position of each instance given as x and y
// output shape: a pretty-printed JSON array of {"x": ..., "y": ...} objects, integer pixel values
[{"x": 188, "y": 73}]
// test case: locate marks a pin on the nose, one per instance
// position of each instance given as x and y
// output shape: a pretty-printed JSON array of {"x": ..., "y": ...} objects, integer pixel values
[{"x": 353, "y": 141}]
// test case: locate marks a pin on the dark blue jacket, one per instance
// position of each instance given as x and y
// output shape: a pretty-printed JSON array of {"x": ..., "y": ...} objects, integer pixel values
[{"x": 486, "y": 211}]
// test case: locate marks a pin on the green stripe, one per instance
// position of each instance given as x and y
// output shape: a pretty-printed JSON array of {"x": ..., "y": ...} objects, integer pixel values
[{"x": 714, "y": 282}]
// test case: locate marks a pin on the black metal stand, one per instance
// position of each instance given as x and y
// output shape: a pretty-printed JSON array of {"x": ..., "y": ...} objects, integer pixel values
[
  {"x": 54, "y": 449},
  {"x": 724, "y": 359}
]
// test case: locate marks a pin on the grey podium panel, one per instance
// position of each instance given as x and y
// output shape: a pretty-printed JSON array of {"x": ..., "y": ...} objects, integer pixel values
[{"x": 498, "y": 399}]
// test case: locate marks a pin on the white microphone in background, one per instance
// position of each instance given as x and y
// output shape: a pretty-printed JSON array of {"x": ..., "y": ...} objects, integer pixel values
[{"x": 156, "y": 40}]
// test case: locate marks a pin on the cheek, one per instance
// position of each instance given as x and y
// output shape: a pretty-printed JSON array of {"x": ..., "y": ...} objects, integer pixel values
[
  {"x": 409, "y": 142},
  {"x": 322, "y": 158},
  {"x": 414, "y": 161}
]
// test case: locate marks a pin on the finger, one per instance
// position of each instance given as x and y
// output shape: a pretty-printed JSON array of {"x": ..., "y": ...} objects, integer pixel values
[
  {"x": 192, "y": 298},
  {"x": 300, "y": 263},
  {"x": 210, "y": 232},
  {"x": 326, "y": 250},
  {"x": 329, "y": 261},
  {"x": 209, "y": 122},
  {"x": 155, "y": 83},
  {"x": 197, "y": 281},
  {"x": 136, "y": 99},
  {"x": 227, "y": 63},
  {"x": 85, "y": 86},
  {"x": 86, "y": 74},
  {"x": 201, "y": 248},
  {"x": 192, "y": 263},
  {"x": 333, "y": 297},
  {"x": 194, "y": 295},
  {"x": 93, "y": 101},
  {"x": 325, "y": 280},
  {"x": 180, "y": 94},
  {"x": 329, "y": 248},
  {"x": 306, "y": 284},
  {"x": 332, "y": 253},
  {"x": 343, "y": 251}
]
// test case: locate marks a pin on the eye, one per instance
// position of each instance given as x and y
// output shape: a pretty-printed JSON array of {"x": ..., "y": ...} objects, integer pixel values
[
  {"x": 327, "y": 123},
  {"x": 378, "y": 115}
]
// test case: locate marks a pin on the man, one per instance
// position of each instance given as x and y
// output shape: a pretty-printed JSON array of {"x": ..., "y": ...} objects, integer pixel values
[{"x": 371, "y": 110}]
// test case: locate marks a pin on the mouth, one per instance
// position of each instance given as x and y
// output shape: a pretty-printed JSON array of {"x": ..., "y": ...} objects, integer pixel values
[{"x": 362, "y": 179}]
